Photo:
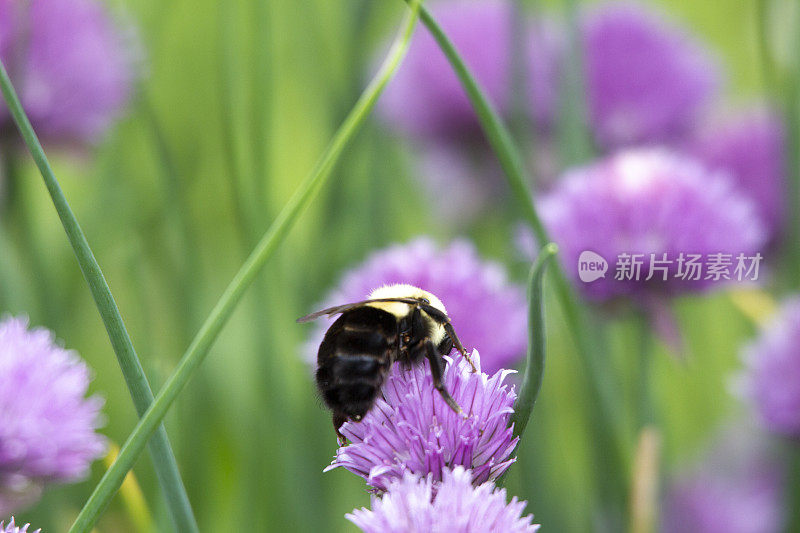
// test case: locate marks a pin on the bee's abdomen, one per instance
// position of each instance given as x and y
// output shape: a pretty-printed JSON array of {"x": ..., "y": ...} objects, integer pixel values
[
  {"x": 354, "y": 368},
  {"x": 353, "y": 359},
  {"x": 360, "y": 342}
]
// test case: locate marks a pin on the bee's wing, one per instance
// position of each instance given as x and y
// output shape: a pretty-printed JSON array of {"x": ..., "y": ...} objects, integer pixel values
[{"x": 347, "y": 307}]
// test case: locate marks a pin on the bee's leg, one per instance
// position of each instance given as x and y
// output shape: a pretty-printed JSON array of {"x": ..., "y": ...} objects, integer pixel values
[
  {"x": 338, "y": 421},
  {"x": 437, "y": 370},
  {"x": 450, "y": 330}
]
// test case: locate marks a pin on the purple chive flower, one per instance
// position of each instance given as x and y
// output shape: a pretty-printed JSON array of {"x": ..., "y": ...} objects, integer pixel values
[
  {"x": 47, "y": 425},
  {"x": 415, "y": 505},
  {"x": 737, "y": 489},
  {"x": 651, "y": 201},
  {"x": 426, "y": 99},
  {"x": 71, "y": 65},
  {"x": 474, "y": 292},
  {"x": 752, "y": 149},
  {"x": 647, "y": 79},
  {"x": 772, "y": 378},
  {"x": 411, "y": 429},
  {"x": 12, "y": 528}
]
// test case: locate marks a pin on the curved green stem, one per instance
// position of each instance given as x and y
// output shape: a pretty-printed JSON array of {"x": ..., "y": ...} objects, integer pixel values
[
  {"x": 201, "y": 344},
  {"x": 574, "y": 141},
  {"x": 163, "y": 458},
  {"x": 784, "y": 84},
  {"x": 496, "y": 132},
  {"x": 790, "y": 91},
  {"x": 645, "y": 404},
  {"x": 602, "y": 395},
  {"x": 523, "y": 125},
  {"x": 792, "y": 493},
  {"x": 768, "y": 67},
  {"x": 534, "y": 365}
]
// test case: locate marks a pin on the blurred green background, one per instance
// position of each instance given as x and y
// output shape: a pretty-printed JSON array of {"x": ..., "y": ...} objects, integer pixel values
[{"x": 237, "y": 101}]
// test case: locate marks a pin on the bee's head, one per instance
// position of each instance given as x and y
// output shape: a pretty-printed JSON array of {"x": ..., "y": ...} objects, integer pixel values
[
  {"x": 408, "y": 291},
  {"x": 438, "y": 333}
]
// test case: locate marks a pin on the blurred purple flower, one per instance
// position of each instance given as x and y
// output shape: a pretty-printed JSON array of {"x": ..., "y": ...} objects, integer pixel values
[
  {"x": 6, "y": 25},
  {"x": 426, "y": 99},
  {"x": 13, "y": 528},
  {"x": 646, "y": 77},
  {"x": 471, "y": 178},
  {"x": 648, "y": 201},
  {"x": 72, "y": 67},
  {"x": 468, "y": 176},
  {"x": 772, "y": 378},
  {"x": 474, "y": 291},
  {"x": 737, "y": 489},
  {"x": 751, "y": 148},
  {"x": 411, "y": 429},
  {"x": 415, "y": 505},
  {"x": 47, "y": 425}
]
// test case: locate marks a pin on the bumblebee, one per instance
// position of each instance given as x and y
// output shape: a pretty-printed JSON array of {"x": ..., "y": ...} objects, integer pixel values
[{"x": 395, "y": 323}]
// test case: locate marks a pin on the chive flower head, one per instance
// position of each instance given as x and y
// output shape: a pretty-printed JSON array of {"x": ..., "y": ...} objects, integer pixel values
[
  {"x": 47, "y": 424},
  {"x": 663, "y": 222},
  {"x": 410, "y": 429},
  {"x": 422, "y": 505}
]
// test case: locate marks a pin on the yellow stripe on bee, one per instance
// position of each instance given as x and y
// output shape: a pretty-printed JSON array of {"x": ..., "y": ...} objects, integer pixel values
[{"x": 398, "y": 309}]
